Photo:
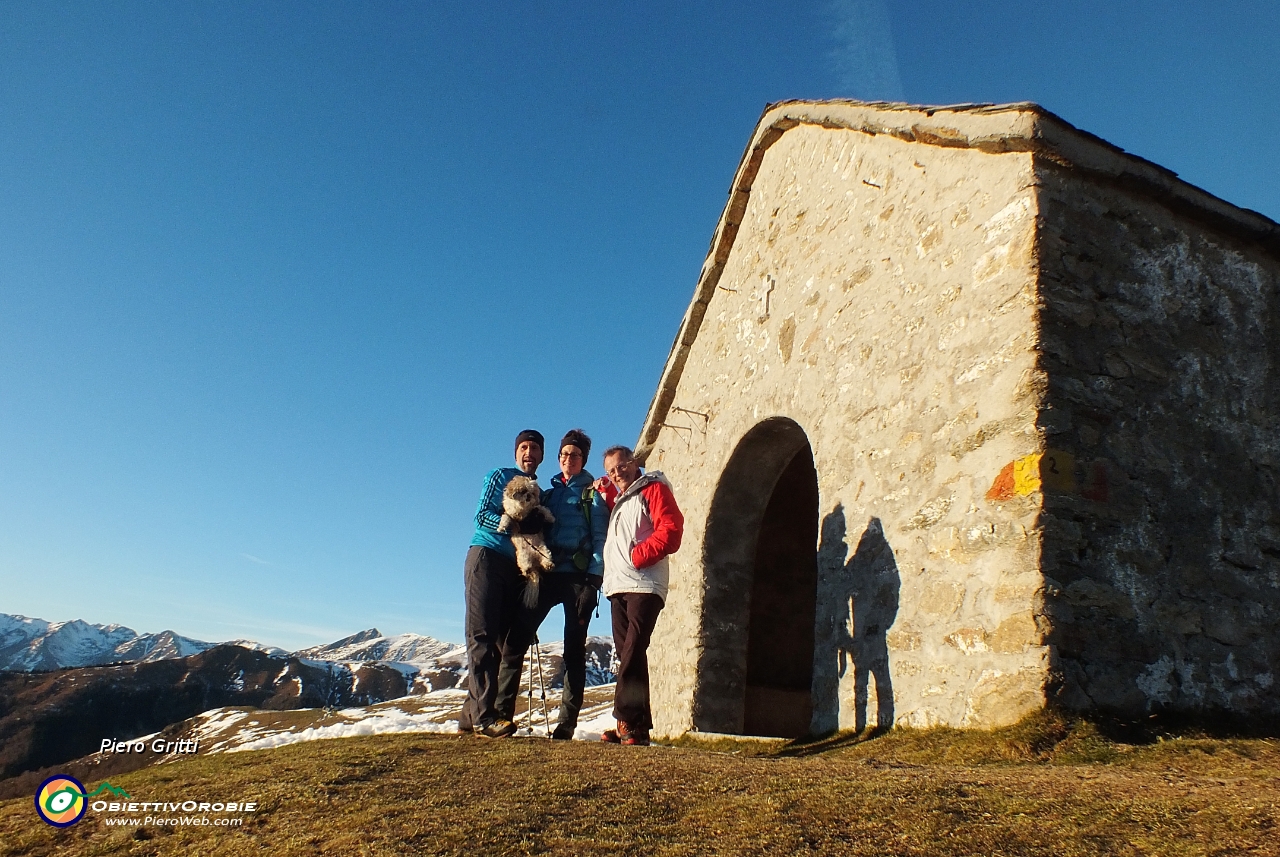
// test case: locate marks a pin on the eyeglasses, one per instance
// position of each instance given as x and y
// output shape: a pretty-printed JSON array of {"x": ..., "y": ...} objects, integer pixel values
[
  {"x": 620, "y": 468},
  {"x": 570, "y": 455}
]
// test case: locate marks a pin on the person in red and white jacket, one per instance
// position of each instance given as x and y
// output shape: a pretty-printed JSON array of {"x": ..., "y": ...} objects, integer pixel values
[{"x": 645, "y": 528}]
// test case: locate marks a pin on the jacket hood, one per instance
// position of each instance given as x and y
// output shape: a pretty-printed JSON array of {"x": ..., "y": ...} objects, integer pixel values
[
  {"x": 645, "y": 479},
  {"x": 582, "y": 480}
]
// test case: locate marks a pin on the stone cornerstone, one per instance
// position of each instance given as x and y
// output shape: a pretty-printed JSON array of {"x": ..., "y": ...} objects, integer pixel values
[{"x": 972, "y": 413}]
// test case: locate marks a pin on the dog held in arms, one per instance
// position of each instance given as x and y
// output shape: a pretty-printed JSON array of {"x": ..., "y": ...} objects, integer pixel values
[{"x": 522, "y": 506}]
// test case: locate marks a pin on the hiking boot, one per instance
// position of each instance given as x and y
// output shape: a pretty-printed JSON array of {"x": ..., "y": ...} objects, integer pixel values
[
  {"x": 616, "y": 736},
  {"x": 496, "y": 729},
  {"x": 638, "y": 738},
  {"x": 563, "y": 732}
]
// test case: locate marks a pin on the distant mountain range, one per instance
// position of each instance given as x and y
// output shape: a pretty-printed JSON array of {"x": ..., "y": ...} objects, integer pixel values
[
  {"x": 64, "y": 686},
  {"x": 30, "y": 645},
  {"x": 34, "y": 644},
  {"x": 50, "y": 717}
]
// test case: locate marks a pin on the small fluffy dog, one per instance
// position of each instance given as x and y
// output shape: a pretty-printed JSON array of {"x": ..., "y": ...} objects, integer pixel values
[{"x": 522, "y": 504}]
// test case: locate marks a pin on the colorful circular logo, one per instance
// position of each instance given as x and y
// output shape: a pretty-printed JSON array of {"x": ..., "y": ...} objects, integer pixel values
[{"x": 60, "y": 800}]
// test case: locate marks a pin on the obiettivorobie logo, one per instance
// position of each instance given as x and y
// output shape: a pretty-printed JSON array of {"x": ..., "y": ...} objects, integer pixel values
[{"x": 61, "y": 800}]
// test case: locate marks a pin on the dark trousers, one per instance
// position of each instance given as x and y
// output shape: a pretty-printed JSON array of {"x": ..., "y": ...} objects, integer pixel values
[
  {"x": 579, "y": 599},
  {"x": 493, "y": 586},
  {"x": 634, "y": 615}
]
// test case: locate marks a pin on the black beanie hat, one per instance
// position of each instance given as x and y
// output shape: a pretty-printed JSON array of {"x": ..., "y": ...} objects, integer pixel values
[
  {"x": 530, "y": 434},
  {"x": 578, "y": 438}
]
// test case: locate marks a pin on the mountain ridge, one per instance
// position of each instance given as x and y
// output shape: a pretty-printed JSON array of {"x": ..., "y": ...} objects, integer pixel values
[
  {"x": 28, "y": 644},
  {"x": 37, "y": 645}
]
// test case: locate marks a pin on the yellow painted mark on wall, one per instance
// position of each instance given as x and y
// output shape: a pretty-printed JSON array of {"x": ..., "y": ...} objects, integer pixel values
[
  {"x": 1026, "y": 475},
  {"x": 1053, "y": 470}
]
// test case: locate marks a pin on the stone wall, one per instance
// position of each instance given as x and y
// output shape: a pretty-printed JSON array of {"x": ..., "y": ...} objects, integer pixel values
[
  {"x": 879, "y": 296},
  {"x": 1162, "y": 551}
]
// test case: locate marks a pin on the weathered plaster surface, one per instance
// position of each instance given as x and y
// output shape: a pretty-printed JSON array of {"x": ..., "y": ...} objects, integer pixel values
[{"x": 880, "y": 294}]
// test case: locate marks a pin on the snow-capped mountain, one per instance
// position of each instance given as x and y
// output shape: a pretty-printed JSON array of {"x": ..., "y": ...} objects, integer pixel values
[
  {"x": 156, "y": 647},
  {"x": 17, "y": 631},
  {"x": 255, "y": 646},
  {"x": 370, "y": 645},
  {"x": 33, "y": 644}
]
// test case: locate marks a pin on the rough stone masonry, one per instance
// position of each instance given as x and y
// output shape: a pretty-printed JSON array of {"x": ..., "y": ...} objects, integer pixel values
[{"x": 972, "y": 413}]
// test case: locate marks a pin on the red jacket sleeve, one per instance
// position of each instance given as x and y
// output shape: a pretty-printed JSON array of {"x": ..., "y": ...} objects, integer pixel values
[
  {"x": 668, "y": 526},
  {"x": 610, "y": 493}
]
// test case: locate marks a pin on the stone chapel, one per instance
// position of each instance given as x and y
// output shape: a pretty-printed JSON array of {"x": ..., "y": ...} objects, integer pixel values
[{"x": 971, "y": 413}]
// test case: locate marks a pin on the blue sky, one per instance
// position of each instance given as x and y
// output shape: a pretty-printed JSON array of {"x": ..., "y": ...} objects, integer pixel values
[{"x": 279, "y": 282}]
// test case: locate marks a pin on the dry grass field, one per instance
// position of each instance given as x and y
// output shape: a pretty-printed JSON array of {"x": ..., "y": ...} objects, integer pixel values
[{"x": 1045, "y": 787}]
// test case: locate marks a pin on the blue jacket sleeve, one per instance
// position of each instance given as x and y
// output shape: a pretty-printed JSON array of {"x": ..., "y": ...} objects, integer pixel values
[
  {"x": 599, "y": 529},
  {"x": 489, "y": 510}
]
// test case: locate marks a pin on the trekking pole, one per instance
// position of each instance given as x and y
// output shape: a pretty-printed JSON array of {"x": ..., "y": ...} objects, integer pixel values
[
  {"x": 542, "y": 686},
  {"x": 528, "y": 708}
]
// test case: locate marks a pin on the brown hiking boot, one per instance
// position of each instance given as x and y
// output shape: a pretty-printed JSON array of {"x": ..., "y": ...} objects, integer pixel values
[
  {"x": 624, "y": 734},
  {"x": 616, "y": 736},
  {"x": 496, "y": 729}
]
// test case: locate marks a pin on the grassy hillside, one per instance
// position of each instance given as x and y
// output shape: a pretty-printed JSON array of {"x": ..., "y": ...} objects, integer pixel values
[{"x": 1042, "y": 788}]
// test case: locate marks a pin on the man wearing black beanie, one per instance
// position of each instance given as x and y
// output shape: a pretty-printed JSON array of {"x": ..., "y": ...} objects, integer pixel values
[{"x": 493, "y": 585}]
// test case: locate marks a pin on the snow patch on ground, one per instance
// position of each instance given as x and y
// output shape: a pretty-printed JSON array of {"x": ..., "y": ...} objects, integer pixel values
[
  {"x": 592, "y": 723},
  {"x": 377, "y": 724},
  {"x": 229, "y": 730}
]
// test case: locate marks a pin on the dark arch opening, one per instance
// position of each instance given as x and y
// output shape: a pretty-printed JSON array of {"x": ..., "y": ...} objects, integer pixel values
[{"x": 755, "y": 671}]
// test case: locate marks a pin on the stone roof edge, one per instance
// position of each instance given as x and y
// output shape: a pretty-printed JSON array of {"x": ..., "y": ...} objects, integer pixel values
[{"x": 993, "y": 128}]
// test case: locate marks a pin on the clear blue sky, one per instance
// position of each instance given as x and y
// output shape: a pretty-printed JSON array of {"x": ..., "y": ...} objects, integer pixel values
[{"x": 280, "y": 281}]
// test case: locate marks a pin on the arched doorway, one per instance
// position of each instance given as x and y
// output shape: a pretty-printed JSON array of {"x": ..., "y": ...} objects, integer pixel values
[{"x": 755, "y": 670}]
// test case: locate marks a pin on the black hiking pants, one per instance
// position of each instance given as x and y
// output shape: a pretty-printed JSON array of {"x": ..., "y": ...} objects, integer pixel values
[
  {"x": 634, "y": 616},
  {"x": 493, "y": 586},
  {"x": 578, "y": 597}
]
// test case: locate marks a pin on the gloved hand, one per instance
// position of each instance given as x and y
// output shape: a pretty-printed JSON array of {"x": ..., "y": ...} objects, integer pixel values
[{"x": 588, "y": 597}]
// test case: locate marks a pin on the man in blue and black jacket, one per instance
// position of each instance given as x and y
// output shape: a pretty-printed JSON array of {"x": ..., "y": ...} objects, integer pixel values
[
  {"x": 576, "y": 540},
  {"x": 493, "y": 588}
]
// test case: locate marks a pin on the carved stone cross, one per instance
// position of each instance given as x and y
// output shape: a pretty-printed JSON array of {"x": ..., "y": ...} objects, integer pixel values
[{"x": 763, "y": 293}]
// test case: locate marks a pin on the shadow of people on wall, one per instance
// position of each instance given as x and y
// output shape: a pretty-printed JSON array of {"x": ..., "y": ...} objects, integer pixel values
[{"x": 860, "y": 603}]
